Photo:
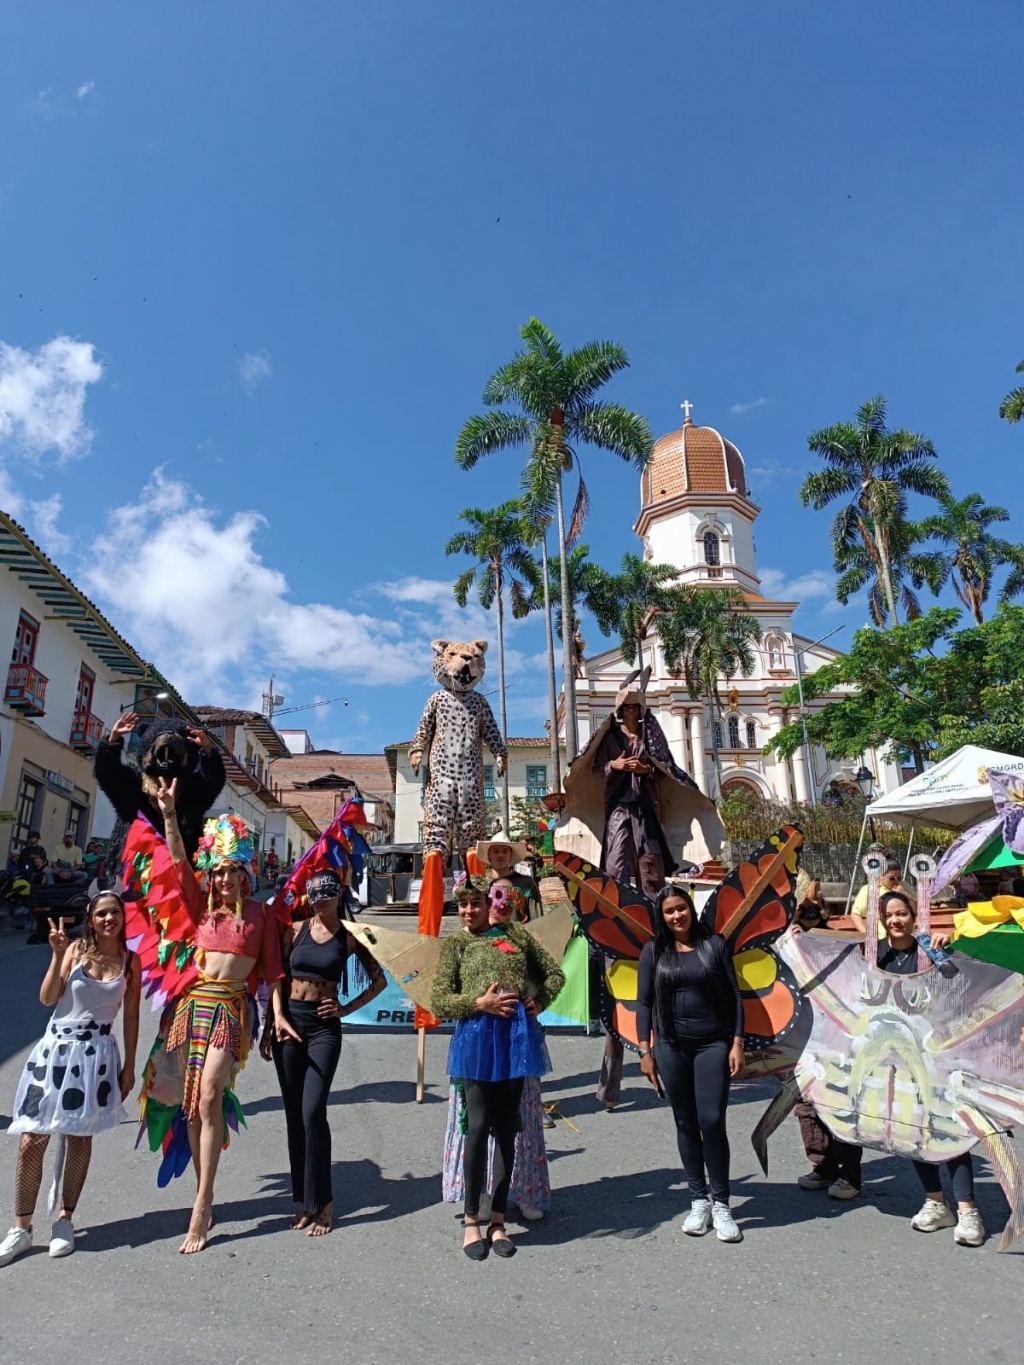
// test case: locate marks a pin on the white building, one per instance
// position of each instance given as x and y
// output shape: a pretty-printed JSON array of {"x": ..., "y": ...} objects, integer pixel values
[
  {"x": 529, "y": 775},
  {"x": 696, "y": 513}
]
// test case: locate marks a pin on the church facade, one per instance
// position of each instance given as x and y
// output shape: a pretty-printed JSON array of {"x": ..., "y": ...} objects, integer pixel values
[{"x": 697, "y": 514}]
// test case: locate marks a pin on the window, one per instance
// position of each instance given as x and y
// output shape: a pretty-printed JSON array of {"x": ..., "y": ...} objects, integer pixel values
[
  {"x": 488, "y": 781},
  {"x": 734, "y": 732},
  {"x": 29, "y": 797},
  {"x": 86, "y": 687},
  {"x": 712, "y": 550},
  {"x": 751, "y": 735},
  {"x": 536, "y": 780},
  {"x": 716, "y": 728},
  {"x": 25, "y": 637}
]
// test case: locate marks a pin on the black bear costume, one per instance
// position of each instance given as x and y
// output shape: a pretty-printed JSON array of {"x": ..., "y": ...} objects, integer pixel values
[{"x": 164, "y": 751}]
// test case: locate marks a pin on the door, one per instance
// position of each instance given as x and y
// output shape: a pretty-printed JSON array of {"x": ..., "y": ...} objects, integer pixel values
[
  {"x": 25, "y": 639},
  {"x": 86, "y": 686}
]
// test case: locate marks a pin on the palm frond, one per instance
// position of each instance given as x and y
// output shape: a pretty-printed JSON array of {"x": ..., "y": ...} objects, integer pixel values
[
  {"x": 611, "y": 427},
  {"x": 1011, "y": 409},
  {"x": 463, "y": 586},
  {"x": 488, "y": 432},
  {"x": 580, "y": 509}
]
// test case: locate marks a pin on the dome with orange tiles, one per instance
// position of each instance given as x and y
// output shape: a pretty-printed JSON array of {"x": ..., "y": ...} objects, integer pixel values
[{"x": 693, "y": 460}]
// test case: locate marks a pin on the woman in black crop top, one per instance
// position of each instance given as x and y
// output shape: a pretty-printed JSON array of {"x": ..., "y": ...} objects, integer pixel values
[
  {"x": 317, "y": 955},
  {"x": 688, "y": 1000}
]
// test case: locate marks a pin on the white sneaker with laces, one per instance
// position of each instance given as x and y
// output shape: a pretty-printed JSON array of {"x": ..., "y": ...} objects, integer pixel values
[
  {"x": 725, "y": 1224},
  {"x": 15, "y": 1244},
  {"x": 933, "y": 1215},
  {"x": 62, "y": 1238},
  {"x": 698, "y": 1220},
  {"x": 842, "y": 1189},
  {"x": 970, "y": 1230}
]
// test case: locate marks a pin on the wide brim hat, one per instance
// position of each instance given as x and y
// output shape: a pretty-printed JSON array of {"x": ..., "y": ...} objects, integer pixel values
[{"x": 484, "y": 846}]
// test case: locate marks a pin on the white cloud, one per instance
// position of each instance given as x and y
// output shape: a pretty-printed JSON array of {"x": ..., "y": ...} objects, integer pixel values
[
  {"x": 43, "y": 517},
  {"x": 42, "y": 397},
  {"x": 194, "y": 593},
  {"x": 738, "y": 409},
  {"x": 772, "y": 470},
  {"x": 816, "y": 584},
  {"x": 431, "y": 591},
  {"x": 254, "y": 368},
  {"x": 85, "y": 89}
]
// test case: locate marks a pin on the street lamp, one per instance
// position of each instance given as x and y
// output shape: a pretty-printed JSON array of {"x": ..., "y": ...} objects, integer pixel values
[
  {"x": 803, "y": 719},
  {"x": 865, "y": 781}
]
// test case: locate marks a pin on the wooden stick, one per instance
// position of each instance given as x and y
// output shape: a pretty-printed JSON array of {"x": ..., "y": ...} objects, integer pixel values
[
  {"x": 421, "y": 1063},
  {"x": 616, "y": 911},
  {"x": 794, "y": 841}
]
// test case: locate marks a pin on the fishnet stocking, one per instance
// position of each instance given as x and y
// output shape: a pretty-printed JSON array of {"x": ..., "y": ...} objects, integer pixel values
[
  {"x": 28, "y": 1175},
  {"x": 76, "y": 1168}
]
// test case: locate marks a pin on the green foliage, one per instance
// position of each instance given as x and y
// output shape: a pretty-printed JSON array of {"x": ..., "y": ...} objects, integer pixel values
[
  {"x": 707, "y": 634},
  {"x": 628, "y": 600},
  {"x": 924, "y": 687},
  {"x": 970, "y": 553},
  {"x": 1012, "y": 406},
  {"x": 495, "y": 539}
]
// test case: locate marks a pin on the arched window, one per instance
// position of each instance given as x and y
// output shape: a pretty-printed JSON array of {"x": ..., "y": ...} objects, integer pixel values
[
  {"x": 751, "y": 734},
  {"x": 712, "y": 550},
  {"x": 734, "y": 732},
  {"x": 717, "y": 727}
]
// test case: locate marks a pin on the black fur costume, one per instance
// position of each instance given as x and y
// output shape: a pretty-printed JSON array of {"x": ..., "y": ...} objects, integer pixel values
[{"x": 164, "y": 751}]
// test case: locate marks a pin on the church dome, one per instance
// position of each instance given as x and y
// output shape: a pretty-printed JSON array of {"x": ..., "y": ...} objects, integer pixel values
[{"x": 692, "y": 460}]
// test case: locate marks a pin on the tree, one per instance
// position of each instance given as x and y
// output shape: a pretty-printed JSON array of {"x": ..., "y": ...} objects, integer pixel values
[
  {"x": 708, "y": 634},
  {"x": 875, "y": 469},
  {"x": 495, "y": 540},
  {"x": 554, "y": 394},
  {"x": 588, "y": 587},
  {"x": 1012, "y": 406},
  {"x": 628, "y": 600},
  {"x": 858, "y": 572},
  {"x": 536, "y": 522},
  {"x": 971, "y": 554}
]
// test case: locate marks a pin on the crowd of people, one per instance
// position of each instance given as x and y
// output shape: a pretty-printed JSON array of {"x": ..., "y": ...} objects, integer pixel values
[{"x": 493, "y": 980}]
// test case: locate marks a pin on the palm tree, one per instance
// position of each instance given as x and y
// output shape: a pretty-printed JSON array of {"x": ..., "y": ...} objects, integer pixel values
[
  {"x": 708, "y": 634},
  {"x": 971, "y": 554},
  {"x": 631, "y": 595},
  {"x": 588, "y": 587},
  {"x": 554, "y": 395},
  {"x": 535, "y": 523},
  {"x": 875, "y": 469},
  {"x": 1012, "y": 406},
  {"x": 858, "y": 571},
  {"x": 495, "y": 540}
]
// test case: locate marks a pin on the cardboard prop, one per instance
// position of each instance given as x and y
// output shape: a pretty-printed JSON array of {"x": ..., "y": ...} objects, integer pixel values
[{"x": 690, "y": 822}]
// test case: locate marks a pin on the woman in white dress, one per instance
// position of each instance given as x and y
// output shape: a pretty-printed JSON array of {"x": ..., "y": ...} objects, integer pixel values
[{"x": 74, "y": 1083}]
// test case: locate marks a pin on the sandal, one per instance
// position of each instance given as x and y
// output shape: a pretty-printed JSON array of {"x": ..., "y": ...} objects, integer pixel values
[
  {"x": 505, "y": 1248},
  {"x": 476, "y": 1251}
]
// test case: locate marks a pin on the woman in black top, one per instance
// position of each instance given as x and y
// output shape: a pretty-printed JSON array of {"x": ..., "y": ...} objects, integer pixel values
[
  {"x": 687, "y": 989},
  {"x": 316, "y": 956},
  {"x": 899, "y": 955}
]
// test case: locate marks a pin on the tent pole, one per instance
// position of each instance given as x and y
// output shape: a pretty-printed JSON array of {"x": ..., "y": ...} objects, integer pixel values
[
  {"x": 856, "y": 862},
  {"x": 910, "y": 849}
]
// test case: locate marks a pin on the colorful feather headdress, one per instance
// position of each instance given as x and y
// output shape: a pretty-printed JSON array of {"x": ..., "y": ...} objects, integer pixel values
[{"x": 226, "y": 838}]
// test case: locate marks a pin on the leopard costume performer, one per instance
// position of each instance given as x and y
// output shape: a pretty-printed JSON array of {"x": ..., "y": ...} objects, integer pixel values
[{"x": 456, "y": 724}]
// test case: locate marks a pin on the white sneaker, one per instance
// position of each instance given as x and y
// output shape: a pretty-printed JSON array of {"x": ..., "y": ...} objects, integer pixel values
[
  {"x": 62, "y": 1238},
  {"x": 15, "y": 1244},
  {"x": 933, "y": 1215},
  {"x": 725, "y": 1224},
  {"x": 698, "y": 1220},
  {"x": 531, "y": 1213},
  {"x": 842, "y": 1189},
  {"x": 970, "y": 1230}
]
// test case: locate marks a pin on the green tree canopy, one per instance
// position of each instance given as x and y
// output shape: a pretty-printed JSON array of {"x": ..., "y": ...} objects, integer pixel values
[{"x": 1012, "y": 406}]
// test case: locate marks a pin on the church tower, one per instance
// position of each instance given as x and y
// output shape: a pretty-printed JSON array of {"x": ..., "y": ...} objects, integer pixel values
[{"x": 695, "y": 508}]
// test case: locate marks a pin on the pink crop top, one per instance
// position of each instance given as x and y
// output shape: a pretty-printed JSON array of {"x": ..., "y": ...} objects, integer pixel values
[{"x": 254, "y": 935}]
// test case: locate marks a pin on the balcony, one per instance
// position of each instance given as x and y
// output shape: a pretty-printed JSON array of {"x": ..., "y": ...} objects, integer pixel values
[
  {"x": 86, "y": 732},
  {"x": 26, "y": 690}
]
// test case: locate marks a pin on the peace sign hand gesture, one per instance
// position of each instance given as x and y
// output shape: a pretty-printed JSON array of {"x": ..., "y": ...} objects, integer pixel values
[
  {"x": 167, "y": 795},
  {"x": 58, "y": 939}
]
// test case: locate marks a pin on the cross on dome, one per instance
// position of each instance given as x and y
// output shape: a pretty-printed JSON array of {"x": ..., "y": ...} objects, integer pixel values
[{"x": 687, "y": 408}]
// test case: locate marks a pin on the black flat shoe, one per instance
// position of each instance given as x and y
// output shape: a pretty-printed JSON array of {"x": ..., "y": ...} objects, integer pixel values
[
  {"x": 476, "y": 1251},
  {"x": 506, "y": 1248}
]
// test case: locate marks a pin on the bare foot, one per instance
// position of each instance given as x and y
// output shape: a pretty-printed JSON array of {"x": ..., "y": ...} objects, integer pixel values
[
  {"x": 323, "y": 1222},
  {"x": 198, "y": 1231},
  {"x": 302, "y": 1219},
  {"x": 473, "y": 1233}
]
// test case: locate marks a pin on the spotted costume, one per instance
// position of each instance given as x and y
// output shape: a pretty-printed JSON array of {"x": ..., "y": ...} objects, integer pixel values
[{"x": 456, "y": 723}]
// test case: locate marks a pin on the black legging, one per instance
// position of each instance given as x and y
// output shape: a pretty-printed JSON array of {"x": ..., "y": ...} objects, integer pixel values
[
  {"x": 696, "y": 1080},
  {"x": 305, "y": 1071},
  {"x": 961, "y": 1173},
  {"x": 491, "y": 1107}
]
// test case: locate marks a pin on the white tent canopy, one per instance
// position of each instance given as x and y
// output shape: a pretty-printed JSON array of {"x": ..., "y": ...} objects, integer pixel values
[{"x": 953, "y": 795}]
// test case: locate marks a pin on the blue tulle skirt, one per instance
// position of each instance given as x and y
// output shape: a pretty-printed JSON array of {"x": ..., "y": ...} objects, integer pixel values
[{"x": 486, "y": 1048}]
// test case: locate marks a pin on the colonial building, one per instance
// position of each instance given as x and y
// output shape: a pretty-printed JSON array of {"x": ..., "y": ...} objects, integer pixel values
[
  {"x": 696, "y": 513},
  {"x": 529, "y": 775},
  {"x": 322, "y": 780}
]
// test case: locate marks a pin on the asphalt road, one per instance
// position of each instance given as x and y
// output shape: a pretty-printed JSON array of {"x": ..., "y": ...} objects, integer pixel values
[{"x": 607, "y": 1277}]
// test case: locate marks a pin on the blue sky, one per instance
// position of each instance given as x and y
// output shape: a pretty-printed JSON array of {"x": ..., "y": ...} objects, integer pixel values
[{"x": 258, "y": 262}]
